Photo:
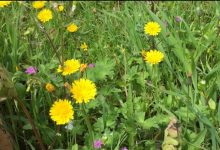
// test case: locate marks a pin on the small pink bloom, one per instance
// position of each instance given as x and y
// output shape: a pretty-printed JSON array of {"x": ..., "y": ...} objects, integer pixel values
[
  {"x": 31, "y": 70},
  {"x": 91, "y": 65},
  {"x": 97, "y": 144},
  {"x": 124, "y": 148}
]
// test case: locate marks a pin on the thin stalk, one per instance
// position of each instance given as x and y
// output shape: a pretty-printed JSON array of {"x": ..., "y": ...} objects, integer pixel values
[
  {"x": 35, "y": 130},
  {"x": 50, "y": 41},
  {"x": 55, "y": 51},
  {"x": 88, "y": 123}
]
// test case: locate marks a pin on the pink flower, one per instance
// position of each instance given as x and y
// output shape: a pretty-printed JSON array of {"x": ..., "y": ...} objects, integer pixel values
[
  {"x": 31, "y": 70},
  {"x": 91, "y": 65},
  {"x": 124, "y": 148},
  {"x": 97, "y": 144}
]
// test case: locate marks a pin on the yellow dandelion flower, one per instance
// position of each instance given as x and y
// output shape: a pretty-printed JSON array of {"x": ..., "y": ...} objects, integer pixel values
[
  {"x": 38, "y": 4},
  {"x": 72, "y": 27},
  {"x": 83, "y": 67},
  {"x": 50, "y": 87},
  {"x": 152, "y": 28},
  {"x": 60, "y": 8},
  {"x": 4, "y": 3},
  {"x": 45, "y": 15},
  {"x": 61, "y": 111},
  {"x": 154, "y": 56},
  {"x": 84, "y": 46},
  {"x": 83, "y": 90},
  {"x": 70, "y": 66}
]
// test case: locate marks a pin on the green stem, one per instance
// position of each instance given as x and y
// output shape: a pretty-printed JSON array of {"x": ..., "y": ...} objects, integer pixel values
[{"x": 88, "y": 123}]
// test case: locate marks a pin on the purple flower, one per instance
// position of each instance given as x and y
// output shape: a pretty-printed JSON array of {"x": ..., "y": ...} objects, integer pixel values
[
  {"x": 178, "y": 19},
  {"x": 91, "y": 65},
  {"x": 124, "y": 148},
  {"x": 31, "y": 70},
  {"x": 98, "y": 144}
]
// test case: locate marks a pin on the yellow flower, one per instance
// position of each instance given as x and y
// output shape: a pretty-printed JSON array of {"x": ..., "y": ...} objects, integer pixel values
[
  {"x": 59, "y": 69},
  {"x": 153, "y": 56},
  {"x": 50, "y": 87},
  {"x": 70, "y": 66},
  {"x": 45, "y": 15},
  {"x": 83, "y": 67},
  {"x": 72, "y": 27},
  {"x": 60, "y": 8},
  {"x": 61, "y": 111},
  {"x": 84, "y": 46},
  {"x": 38, "y": 4},
  {"x": 152, "y": 28},
  {"x": 83, "y": 90},
  {"x": 4, "y": 3}
]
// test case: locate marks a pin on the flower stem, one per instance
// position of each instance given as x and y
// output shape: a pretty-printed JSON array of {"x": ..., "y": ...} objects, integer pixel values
[{"x": 88, "y": 123}]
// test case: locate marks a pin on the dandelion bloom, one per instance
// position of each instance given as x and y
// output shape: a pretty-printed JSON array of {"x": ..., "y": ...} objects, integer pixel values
[
  {"x": 45, "y": 15},
  {"x": 4, "y": 3},
  {"x": 83, "y": 67},
  {"x": 70, "y": 66},
  {"x": 31, "y": 70},
  {"x": 60, "y": 8},
  {"x": 38, "y": 4},
  {"x": 72, "y": 27},
  {"x": 152, "y": 28},
  {"x": 84, "y": 47},
  {"x": 61, "y": 111},
  {"x": 83, "y": 90},
  {"x": 98, "y": 144},
  {"x": 153, "y": 56},
  {"x": 50, "y": 87}
]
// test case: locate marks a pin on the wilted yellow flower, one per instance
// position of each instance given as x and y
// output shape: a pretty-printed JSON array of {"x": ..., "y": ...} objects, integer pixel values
[
  {"x": 45, "y": 15},
  {"x": 83, "y": 90},
  {"x": 17, "y": 68},
  {"x": 61, "y": 111},
  {"x": 50, "y": 87},
  {"x": 72, "y": 27},
  {"x": 143, "y": 53},
  {"x": 152, "y": 28},
  {"x": 153, "y": 56},
  {"x": 70, "y": 66},
  {"x": 67, "y": 85},
  {"x": 4, "y": 3},
  {"x": 38, "y": 4},
  {"x": 84, "y": 46},
  {"x": 60, "y": 8},
  {"x": 83, "y": 67}
]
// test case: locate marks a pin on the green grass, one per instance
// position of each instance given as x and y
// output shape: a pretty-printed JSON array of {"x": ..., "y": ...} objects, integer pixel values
[{"x": 135, "y": 100}]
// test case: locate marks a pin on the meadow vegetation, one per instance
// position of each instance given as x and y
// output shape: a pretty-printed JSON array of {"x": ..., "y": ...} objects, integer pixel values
[{"x": 112, "y": 75}]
